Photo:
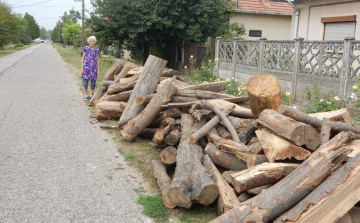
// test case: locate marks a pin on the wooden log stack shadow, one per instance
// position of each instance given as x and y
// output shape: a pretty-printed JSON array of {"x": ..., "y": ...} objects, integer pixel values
[{"x": 255, "y": 159}]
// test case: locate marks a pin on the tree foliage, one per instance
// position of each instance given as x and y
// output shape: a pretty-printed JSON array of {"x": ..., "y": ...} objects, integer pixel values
[
  {"x": 71, "y": 31},
  {"x": 10, "y": 25},
  {"x": 32, "y": 29},
  {"x": 164, "y": 24}
]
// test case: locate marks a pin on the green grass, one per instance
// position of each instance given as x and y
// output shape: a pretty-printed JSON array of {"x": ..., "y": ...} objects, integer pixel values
[
  {"x": 198, "y": 214},
  {"x": 9, "y": 49},
  {"x": 154, "y": 208}
]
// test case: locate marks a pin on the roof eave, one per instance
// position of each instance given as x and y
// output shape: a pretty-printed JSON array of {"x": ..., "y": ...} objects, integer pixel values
[{"x": 262, "y": 13}]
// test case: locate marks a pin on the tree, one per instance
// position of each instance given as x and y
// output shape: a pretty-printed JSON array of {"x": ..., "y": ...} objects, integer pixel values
[
  {"x": 71, "y": 31},
  {"x": 33, "y": 29},
  {"x": 161, "y": 23},
  {"x": 24, "y": 38},
  {"x": 43, "y": 32},
  {"x": 9, "y": 25}
]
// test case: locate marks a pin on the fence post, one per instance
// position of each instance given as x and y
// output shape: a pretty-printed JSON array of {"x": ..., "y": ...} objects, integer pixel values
[
  {"x": 234, "y": 57},
  {"x": 261, "y": 54},
  {"x": 296, "y": 70},
  {"x": 217, "y": 54},
  {"x": 345, "y": 67}
]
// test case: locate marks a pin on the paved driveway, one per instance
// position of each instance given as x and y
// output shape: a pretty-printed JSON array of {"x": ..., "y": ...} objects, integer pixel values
[{"x": 55, "y": 166}]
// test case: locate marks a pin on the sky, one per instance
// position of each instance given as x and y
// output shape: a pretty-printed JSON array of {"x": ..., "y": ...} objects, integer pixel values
[{"x": 47, "y": 12}]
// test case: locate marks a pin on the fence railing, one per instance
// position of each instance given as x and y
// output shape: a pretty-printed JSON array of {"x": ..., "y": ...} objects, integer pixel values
[{"x": 338, "y": 60}]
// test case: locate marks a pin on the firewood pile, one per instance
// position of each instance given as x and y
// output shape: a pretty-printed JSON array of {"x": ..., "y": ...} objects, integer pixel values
[{"x": 259, "y": 160}]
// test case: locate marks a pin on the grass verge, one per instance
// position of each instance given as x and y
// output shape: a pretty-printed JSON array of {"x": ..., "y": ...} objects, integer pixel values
[{"x": 9, "y": 49}]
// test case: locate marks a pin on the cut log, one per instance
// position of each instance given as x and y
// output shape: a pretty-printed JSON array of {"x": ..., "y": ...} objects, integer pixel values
[
  {"x": 119, "y": 87},
  {"x": 223, "y": 117},
  {"x": 109, "y": 76},
  {"x": 245, "y": 196},
  {"x": 123, "y": 96},
  {"x": 191, "y": 182},
  {"x": 247, "y": 133},
  {"x": 173, "y": 137},
  {"x": 239, "y": 111},
  {"x": 109, "y": 110},
  {"x": 174, "y": 113},
  {"x": 297, "y": 132},
  {"x": 315, "y": 122},
  {"x": 129, "y": 79},
  {"x": 203, "y": 94},
  {"x": 227, "y": 175},
  {"x": 187, "y": 123},
  {"x": 166, "y": 126},
  {"x": 227, "y": 199},
  {"x": 259, "y": 190},
  {"x": 163, "y": 181},
  {"x": 178, "y": 84},
  {"x": 146, "y": 84},
  {"x": 256, "y": 147},
  {"x": 264, "y": 92},
  {"x": 294, "y": 187},
  {"x": 325, "y": 131},
  {"x": 193, "y": 138},
  {"x": 223, "y": 159},
  {"x": 179, "y": 99},
  {"x": 136, "y": 70},
  {"x": 260, "y": 175},
  {"x": 340, "y": 115},
  {"x": 199, "y": 113},
  {"x": 105, "y": 85},
  {"x": 223, "y": 132},
  {"x": 137, "y": 124},
  {"x": 354, "y": 146},
  {"x": 332, "y": 199},
  {"x": 123, "y": 72},
  {"x": 215, "y": 87},
  {"x": 168, "y": 155},
  {"x": 239, "y": 123},
  {"x": 277, "y": 148}
]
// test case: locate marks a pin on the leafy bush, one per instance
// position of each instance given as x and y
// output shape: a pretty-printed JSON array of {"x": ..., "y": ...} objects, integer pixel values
[{"x": 18, "y": 45}]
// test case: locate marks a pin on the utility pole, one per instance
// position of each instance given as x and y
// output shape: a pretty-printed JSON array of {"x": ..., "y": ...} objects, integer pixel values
[{"x": 82, "y": 20}]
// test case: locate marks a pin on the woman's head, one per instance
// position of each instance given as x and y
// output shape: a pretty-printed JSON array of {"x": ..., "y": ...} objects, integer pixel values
[{"x": 91, "y": 40}]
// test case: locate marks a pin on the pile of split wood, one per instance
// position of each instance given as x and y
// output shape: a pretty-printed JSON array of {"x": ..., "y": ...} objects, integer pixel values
[{"x": 259, "y": 160}]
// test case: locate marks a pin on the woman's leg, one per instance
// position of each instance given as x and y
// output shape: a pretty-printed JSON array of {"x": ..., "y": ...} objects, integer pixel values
[
  {"x": 93, "y": 86},
  {"x": 85, "y": 85}
]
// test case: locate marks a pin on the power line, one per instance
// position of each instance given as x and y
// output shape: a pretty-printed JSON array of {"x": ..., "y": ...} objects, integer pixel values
[{"x": 20, "y": 6}]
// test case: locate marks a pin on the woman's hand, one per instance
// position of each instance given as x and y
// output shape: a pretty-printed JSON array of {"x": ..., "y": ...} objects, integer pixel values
[
  {"x": 98, "y": 73},
  {"x": 82, "y": 72}
]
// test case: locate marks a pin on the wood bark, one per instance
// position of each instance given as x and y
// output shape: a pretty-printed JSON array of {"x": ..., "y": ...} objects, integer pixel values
[
  {"x": 256, "y": 147},
  {"x": 264, "y": 92},
  {"x": 191, "y": 182},
  {"x": 215, "y": 87},
  {"x": 239, "y": 111},
  {"x": 193, "y": 138},
  {"x": 259, "y": 190},
  {"x": 297, "y": 132},
  {"x": 109, "y": 110},
  {"x": 325, "y": 131},
  {"x": 174, "y": 113},
  {"x": 137, "y": 124},
  {"x": 260, "y": 175},
  {"x": 105, "y": 85},
  {"x": 294, "y": 187},
  {"x": 173, "y": 137},
  {"x": 179, "y": 99},
  {"x": 123, "y": 73},
  {"x": 315, "y": 122},
  {"x": 168, "y": 155},
  {"x": 122, "y": 96},
  {"x": 129, "y": 79},
  {"x": 223, "y": 132},
  {"x": 332, "y": 199},
  {"x": 223, "y": 117},
  {"x": 223, "y": 159},
  {"x": 247, "y": 133},
  {"x": 199, "y": 113},
  {"x": 146, "y": 84},
  {"x": 166, "y": 126},
  {"x": 203, "y": 94},
  {"x": 163, "y": 181},
  {"x": 244, "y": 196},
  {"x": 120, "y": 87},
  {"x": 227, "y": 199},
  {"x": 340, "y": 115},
  {"x": 277, "y": 148},
  {"x": 239, "y": 123}
]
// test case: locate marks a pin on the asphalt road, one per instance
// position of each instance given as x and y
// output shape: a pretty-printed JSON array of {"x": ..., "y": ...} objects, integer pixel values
[{"x": 55, "y": 166}]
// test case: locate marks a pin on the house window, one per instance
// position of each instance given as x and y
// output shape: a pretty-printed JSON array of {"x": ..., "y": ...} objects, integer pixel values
[
  {"x": 255, "y": 33},
  {"x": 337, "y": 28}
]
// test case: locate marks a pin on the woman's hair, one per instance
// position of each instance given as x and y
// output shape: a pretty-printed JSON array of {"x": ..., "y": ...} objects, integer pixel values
[{"x": 91, "y": 38}]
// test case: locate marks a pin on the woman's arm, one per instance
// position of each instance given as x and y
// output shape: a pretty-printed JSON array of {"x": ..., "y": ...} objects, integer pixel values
[
  {"x": 98, "y": 62},
  {"x": 82, "y": 63}
]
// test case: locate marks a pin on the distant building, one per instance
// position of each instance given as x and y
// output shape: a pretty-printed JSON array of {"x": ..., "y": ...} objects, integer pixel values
[{"x": 264, "y": 18}]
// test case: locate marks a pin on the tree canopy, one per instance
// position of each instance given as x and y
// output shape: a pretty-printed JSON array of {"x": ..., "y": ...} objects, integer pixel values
[
  {"x": 32, "y": 29},
  {"x": 71, "y": 31},
  {"x": 10, "y": 25}
]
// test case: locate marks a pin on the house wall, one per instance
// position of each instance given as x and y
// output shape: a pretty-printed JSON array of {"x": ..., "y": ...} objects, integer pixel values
[
  {"x": 314, "y": 30},
  {"x": 273, "y": 27}
]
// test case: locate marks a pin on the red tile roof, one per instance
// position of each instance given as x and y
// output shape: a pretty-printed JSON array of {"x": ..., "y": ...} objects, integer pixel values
[{"x": 257, "y": 6}]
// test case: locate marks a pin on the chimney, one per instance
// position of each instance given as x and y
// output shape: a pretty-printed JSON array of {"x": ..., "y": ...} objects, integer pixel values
[{"x": 266, "y": 2}]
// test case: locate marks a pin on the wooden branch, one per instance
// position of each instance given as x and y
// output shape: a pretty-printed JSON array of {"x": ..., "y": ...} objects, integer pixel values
[
  {"x": 239, "y": 111},
  {"x": 315, "y": 122},
  {"x": 122, "y": 96},
  {"x": 325, "y": 131},
  {"x": 168, "y": 155},
  {"x": 119, "y": 87},
  {"x": 215, "y": 86},
  {"x": 199, "y": 113},
  {"x": 294, "y": 187},
  {"x": 105, "y": 85},
  {"x": 179, "y": 99},
  {"x": 137, "y": 124},
  {"x": 247, "y": 133},
  {"x": 239, "y": 123},
  {"x": 260, "y": 175},
  {"x": 297, "y": 132},
  {"x": 146, "y": 84},
  {"x": 222, "y": 116},
  {"x": 163, "y": 181},
  {"x": 332, "y": 199},
  {"x": 123, "y": 72},
  {"x": 340, "y": 115},
  {"x": 223, "y": 132},
  {"x": 277, "y": 148},
  {"x": 166, "y": 126},
  {"x": 129, "y": 79},
  {"x": 227, "y": 198}
]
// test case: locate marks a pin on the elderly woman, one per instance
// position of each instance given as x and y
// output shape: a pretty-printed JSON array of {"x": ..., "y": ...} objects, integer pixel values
[{"x": 90, "y": 66}]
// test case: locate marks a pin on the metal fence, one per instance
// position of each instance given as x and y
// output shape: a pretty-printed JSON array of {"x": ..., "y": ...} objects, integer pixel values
[{"x": 329, "y": 64}]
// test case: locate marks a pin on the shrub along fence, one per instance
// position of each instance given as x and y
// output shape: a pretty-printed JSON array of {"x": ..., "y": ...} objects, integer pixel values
[{"x": 298, "y": 64}]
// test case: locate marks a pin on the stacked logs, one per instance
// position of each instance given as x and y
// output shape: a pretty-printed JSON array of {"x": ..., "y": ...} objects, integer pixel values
[{"x": 258, "y": 160}]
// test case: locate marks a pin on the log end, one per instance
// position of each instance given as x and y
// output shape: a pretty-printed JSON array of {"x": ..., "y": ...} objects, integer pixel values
[
  {"x": 178, "y": 197},
  {"x": 140, "y": 100},
  {"x": 126, "y": 135},
  {"x": 192, "y": 139},
  {"x": 209, "y": 194}
]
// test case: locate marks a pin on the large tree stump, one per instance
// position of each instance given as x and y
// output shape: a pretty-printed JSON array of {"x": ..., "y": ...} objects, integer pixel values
[
  {"x": 264, "y": 92},
  {"x": 163, "y": 180},
  {"x": 331, "y": 200},
  {"x": 297, "y": 132},
  {"x": 146, "y": 84},
  {"x": 109, "y": 110},
  {"x": 140, "y": 122},
  {"x": 294, "y": 187}
]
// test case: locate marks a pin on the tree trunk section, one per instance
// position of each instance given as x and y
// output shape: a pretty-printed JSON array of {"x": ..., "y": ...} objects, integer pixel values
[
  {"x": 325, "y": 131},
  {"x": 123, "y": 73},
  {"x": 168, "y": 155},
  {"x": 264, "y": 92},
  {"x": 223, "y": 132},
  {"x": 173, "y": 137},
  {"x": 294, "y": 187},
  {"x": 248, "y": 132},
  {"x": 297, "y": 132},
  {"x": 109, "y": 110},
  {"x": 340, "y": 115},
  {"x": 239, "y": 111},
  {"x": 260, "y": 175},
  {"x": 163, "y": 181},
  {"x": 215, "y": 87},
  {"x": 146, "y": 84},
  {"x": 137, "y": 124},
  {"x": 123, "y": 96},
  {"x": 277, "y": 148},
  {"x": 120, "y": 87}
]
